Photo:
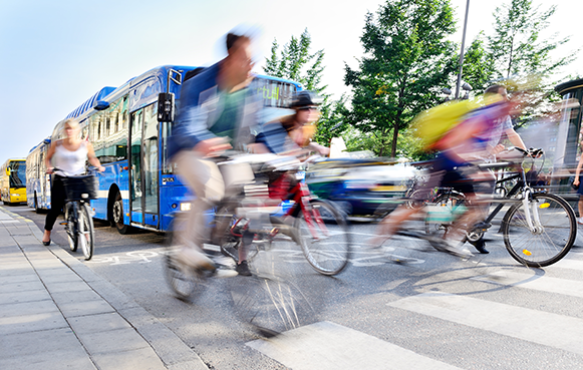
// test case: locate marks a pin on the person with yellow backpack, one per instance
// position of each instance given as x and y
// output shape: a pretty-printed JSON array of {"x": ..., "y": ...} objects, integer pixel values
[{"x": 461, "y": 132}]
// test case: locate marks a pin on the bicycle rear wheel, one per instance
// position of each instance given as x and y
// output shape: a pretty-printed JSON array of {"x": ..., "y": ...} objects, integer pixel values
[
  {"x": 445, "y": 208},
  {"x": 549, "y": 245},
  {"x": 324, "y": 237},
  {"x": 86, "y": 232}
]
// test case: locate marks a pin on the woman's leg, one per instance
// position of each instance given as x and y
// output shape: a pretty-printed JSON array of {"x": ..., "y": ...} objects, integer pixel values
[{"x": 57, "y": 203}]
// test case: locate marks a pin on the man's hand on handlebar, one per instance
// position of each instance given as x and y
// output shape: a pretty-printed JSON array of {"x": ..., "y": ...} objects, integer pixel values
[{"x": 209, "y": 147}]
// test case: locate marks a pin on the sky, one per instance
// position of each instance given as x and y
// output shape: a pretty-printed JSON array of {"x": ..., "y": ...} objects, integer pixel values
[{"x": 55, "y": 55}]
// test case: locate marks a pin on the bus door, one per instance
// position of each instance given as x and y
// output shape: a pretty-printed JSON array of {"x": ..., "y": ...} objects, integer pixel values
[{"x": 144, "y": 202}]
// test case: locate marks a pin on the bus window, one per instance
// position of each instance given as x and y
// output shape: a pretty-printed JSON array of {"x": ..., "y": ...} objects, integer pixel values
[{"x": 111, "y": 138}]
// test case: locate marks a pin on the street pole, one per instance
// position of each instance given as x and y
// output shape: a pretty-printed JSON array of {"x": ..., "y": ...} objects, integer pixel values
[{"x": 459, "y": 76}]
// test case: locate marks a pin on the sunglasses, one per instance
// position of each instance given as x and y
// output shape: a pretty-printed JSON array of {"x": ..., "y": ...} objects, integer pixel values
[{"x": 308, "y": 108}]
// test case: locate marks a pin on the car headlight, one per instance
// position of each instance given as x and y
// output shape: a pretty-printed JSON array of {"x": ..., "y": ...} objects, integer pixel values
[{"x": 185, "y": 206}]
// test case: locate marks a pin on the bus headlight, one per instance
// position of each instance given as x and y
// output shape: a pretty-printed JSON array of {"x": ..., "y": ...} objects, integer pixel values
[{"x": 185, "y": 206}]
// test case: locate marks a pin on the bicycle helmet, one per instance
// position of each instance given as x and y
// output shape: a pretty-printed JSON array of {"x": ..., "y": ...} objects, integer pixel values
[{"x": 305, "y": 98}]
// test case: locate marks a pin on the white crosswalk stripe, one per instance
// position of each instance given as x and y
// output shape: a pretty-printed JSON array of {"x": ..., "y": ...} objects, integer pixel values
[
  {"x": 540, "y": 327},
  {"x": 329, "y": 346},
  {"x": 534, "y": 282}
]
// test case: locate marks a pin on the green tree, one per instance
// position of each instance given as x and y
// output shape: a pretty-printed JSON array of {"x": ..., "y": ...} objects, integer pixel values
[
  {"x": 478, "y": 65},
  {"x": 406, "y": 64},
  {"x": 516, "y": 45},
  {"x": 297, "y": 63}
]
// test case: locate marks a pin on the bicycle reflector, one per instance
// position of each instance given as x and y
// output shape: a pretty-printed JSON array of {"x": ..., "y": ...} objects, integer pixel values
[
  {"x": 527, "y": 252},
  {"x": 544, "y": 205}
]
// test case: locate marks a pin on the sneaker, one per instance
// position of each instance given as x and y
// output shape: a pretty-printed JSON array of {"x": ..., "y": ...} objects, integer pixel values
[
  {"x": 243, "y": 269},
  {"x": 195, "y": 258},
  {"x": 480, "y": 246},
  {"x": 223, "y": 261},
  {"x": 225, "y": 273},
  {"x": 457, "y": 249}
]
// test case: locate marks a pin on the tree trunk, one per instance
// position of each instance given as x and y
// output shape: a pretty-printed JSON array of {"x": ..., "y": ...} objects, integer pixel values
[
  {"x": 511, "y": 58},
  {"x": 394, "y": 143}
]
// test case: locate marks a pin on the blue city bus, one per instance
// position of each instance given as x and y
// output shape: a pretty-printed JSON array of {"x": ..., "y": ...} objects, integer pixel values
[
  {"x": 38, "y": 186},
  {"x": 129, "y": 131}
]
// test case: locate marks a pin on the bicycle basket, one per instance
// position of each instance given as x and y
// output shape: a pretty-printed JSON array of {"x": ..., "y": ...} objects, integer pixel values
[{"x": 81, "y": 187}]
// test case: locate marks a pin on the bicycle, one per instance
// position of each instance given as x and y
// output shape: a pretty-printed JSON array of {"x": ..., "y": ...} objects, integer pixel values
[
  {"x": 539, "y": 229},
  {"x": 268, "y": 300},
  {"x": 78, "y": 221},
  {"x": 318, "y": 226}
]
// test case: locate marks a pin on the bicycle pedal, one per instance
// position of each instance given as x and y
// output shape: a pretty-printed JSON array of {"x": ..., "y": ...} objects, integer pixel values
[{"x": 64, "y": 223}]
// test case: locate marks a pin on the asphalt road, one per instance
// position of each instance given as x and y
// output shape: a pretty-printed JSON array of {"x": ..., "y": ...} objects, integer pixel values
[{"x": 440, "y": 312}]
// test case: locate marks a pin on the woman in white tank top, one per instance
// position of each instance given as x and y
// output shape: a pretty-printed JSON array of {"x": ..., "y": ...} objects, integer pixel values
[{"x": 68, "y": 156}]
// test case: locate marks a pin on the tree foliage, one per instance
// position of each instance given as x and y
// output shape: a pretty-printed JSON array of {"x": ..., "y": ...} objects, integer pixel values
[
  {"x": 516, "y": 46},
  {"x": 407, "y": 62},
  {"x": 296, "y": 62},
  {"x": 478, "y": 65}
]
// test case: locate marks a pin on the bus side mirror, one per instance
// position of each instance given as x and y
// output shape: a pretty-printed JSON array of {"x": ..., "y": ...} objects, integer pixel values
[
  {"x": 101, "y": 105},
  {"x": 165, "y": 107},
  {"x": 8, "y": 172}
]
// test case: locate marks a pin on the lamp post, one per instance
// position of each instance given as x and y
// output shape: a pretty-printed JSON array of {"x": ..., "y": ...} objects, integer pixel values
[{"x": 459, "y": 76}]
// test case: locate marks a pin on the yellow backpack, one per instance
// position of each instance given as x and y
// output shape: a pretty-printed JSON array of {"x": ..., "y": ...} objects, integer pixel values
[{"x": 431, "y": 125}]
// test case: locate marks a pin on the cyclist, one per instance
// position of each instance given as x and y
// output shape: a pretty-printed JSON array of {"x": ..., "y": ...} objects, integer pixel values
[
  {"x": 452, "y": 168},
  {"x": 295, "y": 131},
  {"x": 217, "y": 111},
  {"x": 494, "y": 147},
  {"x": 69, "y": 156},
  {"x": 293, "y": 134}
]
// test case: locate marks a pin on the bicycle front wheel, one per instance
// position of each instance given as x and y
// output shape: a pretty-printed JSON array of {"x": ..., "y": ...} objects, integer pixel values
[
  {"x": 86, "y": 232},
  {"x": 70, "y": 226},
  {"x": 542, "y": 247},
  {"x": 324, "y": 237}
]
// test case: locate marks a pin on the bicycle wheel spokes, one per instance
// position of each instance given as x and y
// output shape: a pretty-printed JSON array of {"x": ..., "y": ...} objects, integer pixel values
[
  {"x": 271, "y": 305},
  {"x": 86, "y": 232},
  {"x": 324, "y": 237},
  {"x": 543, "y": 247},
  {"x": 70, "y": 228}
]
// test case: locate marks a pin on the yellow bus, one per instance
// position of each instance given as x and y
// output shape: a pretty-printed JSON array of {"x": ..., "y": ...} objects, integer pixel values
[{"x": 13, "y": 181}]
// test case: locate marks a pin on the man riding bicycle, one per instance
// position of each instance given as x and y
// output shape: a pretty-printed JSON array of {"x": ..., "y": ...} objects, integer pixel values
[
  {"x": 459, "y": 147},
  {"x": 217, "y": 111}
]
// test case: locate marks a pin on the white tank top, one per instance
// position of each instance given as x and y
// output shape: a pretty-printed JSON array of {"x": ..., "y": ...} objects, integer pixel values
[{"x": 70, "y": 163}]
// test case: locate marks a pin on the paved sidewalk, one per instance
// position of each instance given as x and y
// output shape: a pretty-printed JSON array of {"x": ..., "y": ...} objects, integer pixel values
[{"x": 56, "y": 313}]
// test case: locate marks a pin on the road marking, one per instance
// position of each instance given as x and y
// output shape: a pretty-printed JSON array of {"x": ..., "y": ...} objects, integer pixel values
[
  {"x": 571, "y": 264},
  {"x": 544, "y": 328},
  {"x": 534, "y": 282},
  {"x": 329, "y": 346}
]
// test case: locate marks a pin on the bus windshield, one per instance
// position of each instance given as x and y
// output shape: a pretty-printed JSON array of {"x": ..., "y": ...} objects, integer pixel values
[{"x": 17, "y": 174}]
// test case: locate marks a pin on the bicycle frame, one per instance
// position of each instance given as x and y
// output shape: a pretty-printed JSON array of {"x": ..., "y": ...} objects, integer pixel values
[
  {"x": 302, "y": 198},
  {"x": 521, "y": 184}
]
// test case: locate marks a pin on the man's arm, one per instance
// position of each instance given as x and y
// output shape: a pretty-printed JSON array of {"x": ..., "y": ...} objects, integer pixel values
[{"x": 515, "y": 139}]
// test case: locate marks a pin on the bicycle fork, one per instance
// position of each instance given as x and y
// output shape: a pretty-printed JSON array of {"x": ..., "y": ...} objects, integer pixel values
[
  {"x": 533, "y": 222},
  {"x": 311, "y": 215},
  {"x": 73, "y": 215}
]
